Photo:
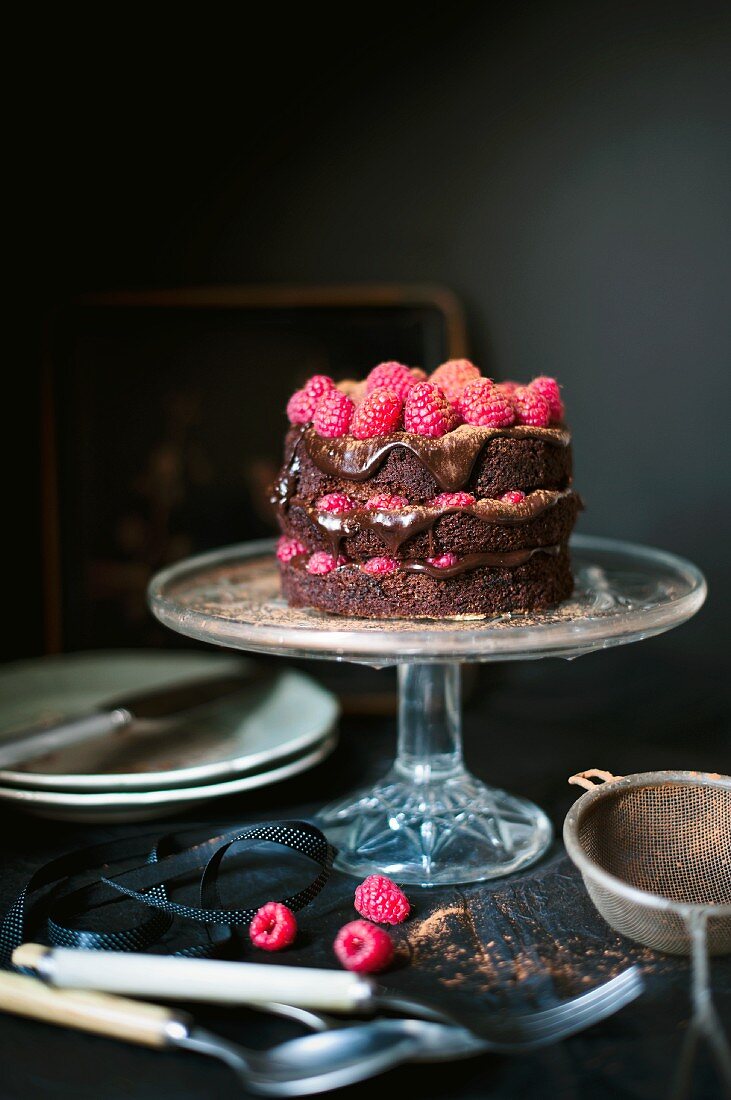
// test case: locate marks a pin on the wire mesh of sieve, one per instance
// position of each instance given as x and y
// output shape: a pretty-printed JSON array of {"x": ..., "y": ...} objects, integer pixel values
[{"x": 654, "y": 851}]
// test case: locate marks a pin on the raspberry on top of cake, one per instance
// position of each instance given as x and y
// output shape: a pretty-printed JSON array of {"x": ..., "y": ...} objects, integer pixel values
[{"x": 406, "y": 495}]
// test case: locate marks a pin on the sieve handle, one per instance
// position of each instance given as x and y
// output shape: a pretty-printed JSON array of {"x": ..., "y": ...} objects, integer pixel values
[{"x": 586, "y": 779}]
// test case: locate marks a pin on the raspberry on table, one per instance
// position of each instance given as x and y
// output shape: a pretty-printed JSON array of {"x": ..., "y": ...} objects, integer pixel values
[
  {"x": 320, "y": 563},
  {"x": 453, "y": 376},
  {"x": 337, "y": 503},
  {"x": 549, "y": 388},
  {"x": 428, "y": 412},
  {"x": 452, "y": 500},
  {"x": 273, "y": 927},
  {"x": 391, "y": 376},
  {"x": 444, "y": 561},
  {"x": 381, "y": 900},
  {"x": 531, "y": 407},
  {"x": 333, "y": 415},
  {"x": 386, "y": 502},
  {"x": 378, "y": 414},
  {"x": 289, "y": 548},
  {"x": 481, "y": 403},
  {"x": 378, "y": 566},
  {"x": 363, "y": 947},
  {"x": 515, "y": 496}
]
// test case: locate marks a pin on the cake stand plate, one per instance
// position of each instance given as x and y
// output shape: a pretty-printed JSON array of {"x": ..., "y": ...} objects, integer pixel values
[{"x": 429, "y": 821}]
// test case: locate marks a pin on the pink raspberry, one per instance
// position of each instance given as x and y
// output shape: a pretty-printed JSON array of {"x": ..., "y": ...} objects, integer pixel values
[
  {"x": 380, "y": 900},
  {"x": 507, "y": 387},
  {"x": 549, "y": 388},
  {"x": 337, "y": 503},
  {"x": 452, "y": 500},
  {"x": 453, "y": 376},
  {"x": 377, "y": 566},
  {"x": 363, "y": 947},
  {"x": 302, "y": 404},
  {"x": 273, "y": 927},
  {"x": 481, "y": 403},
  {"x": 378, "y": 414},
  {"x": 531, "y": 408},
  {"x": 289, "y": 548},
  {"x": 301, "y": 407},
  {"x": 391, "y": 376},
  {"x": 386, "y": 502},
  {"x": 515, "y": 496},
  {"x": 444, "y": 560},
  {"x": 427, "y": 411},
  {"x": 333, "y": 415},
  {"x": 320, "y": 563},
  {"x": 419, "y": 374}
]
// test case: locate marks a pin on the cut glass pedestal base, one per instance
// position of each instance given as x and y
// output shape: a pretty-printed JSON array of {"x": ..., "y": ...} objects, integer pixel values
[{"x": 455, "y": 830}]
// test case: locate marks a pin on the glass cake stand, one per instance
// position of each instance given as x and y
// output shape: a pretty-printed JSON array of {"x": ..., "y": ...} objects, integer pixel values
[{"x": 428, "y": 821}]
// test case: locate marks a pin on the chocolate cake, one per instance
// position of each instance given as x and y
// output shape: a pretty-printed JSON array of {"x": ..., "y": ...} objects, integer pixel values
[{"x": 403, "y": 496}]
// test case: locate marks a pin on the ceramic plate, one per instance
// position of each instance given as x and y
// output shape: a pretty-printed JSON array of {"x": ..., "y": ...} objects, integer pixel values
[{"x": 276, "y": 716}]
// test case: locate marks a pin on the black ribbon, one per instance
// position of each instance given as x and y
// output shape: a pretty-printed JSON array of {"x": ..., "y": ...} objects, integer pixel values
[{"x": 50, "y": 904}]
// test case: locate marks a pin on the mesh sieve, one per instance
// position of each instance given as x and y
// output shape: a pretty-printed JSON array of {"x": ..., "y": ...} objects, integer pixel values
[{"x": 654, "y": 851}]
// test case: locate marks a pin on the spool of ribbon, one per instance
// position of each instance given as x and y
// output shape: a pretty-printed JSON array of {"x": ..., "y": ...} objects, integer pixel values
[{"x": 50, "y": 904}]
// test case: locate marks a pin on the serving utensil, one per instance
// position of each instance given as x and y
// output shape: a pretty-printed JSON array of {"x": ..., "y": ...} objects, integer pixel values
[{"x": 323, "y": 1060}]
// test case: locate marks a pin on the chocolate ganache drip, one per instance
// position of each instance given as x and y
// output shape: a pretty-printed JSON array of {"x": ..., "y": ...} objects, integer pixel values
[
  {"x": 396, "y": 527},
  {"x": 449, "y": 459}
]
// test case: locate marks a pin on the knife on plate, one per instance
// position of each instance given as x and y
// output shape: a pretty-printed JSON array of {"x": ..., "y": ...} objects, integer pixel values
[{"x": 151, "y": 705}]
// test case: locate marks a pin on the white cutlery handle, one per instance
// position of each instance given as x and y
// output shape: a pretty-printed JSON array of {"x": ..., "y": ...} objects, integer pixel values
[
  {"x": 197, "y": 979},
  {"x": 28, "y": 746}
]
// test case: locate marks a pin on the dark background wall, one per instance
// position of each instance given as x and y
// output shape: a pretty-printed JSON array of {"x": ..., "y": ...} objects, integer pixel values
[{"x": 564, "y": 167}]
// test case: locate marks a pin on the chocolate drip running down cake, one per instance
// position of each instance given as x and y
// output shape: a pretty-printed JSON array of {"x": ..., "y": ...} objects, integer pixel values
[{"x": 405, "y": 497}]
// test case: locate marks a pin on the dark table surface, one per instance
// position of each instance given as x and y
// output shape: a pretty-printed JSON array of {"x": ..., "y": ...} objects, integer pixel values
[{"x": 523, "y": 941}]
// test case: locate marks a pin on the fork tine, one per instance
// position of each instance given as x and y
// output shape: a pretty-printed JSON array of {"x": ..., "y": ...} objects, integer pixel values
[
  {"x": 521, "y": 1032},
  {"x": 629, "y": 979},
  {"x": 571, "y": 1016}
]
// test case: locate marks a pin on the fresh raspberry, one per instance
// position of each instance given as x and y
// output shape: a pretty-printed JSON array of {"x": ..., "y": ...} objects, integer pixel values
[
  {"x": 378, "y": 414},
  {"x": 549, "y": 388},
  {"x": 444, "y": 560},
  {"x": 379, "y": 899},
  {"x": 302, "y": 404},
  {"x": 301, "y": 407},
  {"x": 333, "y": 415},
  {"x": 427, "y": 411},
  {"x": 386, "y": 502},
  {"x": 320, "y": 563},
  {"x": 453, "y": 376},
  {"x": 391, "y": 376},
  {"x": 508, "y": 387},
  {"x": 531, "y": 408},
  {"x": 452, "y": 500},
  {"x": 483, "y": 404},
  {"x": 363, "y": 947},
  {"x": 337, "y": 503},
  {"x": 419, "y": 374},
  {"x": 515, "y": 496},
  {"x": 273, "y": 927},
  {"x": 289, "y": 548},
  {"x": 377, "y": 566}
]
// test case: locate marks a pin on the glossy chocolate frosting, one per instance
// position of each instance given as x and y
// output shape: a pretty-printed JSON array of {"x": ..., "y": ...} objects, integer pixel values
[
  {"x": 395, "y": 527},
  {"x": 449, "y": 459}
]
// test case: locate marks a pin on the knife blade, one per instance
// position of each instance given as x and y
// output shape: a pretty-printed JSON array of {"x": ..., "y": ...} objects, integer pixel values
[{"x": 118, "y": 714}]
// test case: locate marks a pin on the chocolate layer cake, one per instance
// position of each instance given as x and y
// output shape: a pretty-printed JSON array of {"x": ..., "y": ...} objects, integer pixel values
[{"x": 409, "y": 497}]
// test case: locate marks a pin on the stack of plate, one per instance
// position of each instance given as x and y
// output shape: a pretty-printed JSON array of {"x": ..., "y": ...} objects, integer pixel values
[{"x": 278, "y": 725}]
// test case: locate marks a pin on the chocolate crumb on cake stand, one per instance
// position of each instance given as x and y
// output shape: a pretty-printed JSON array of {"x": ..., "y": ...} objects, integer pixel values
[{"x": 429, "y": 821}]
